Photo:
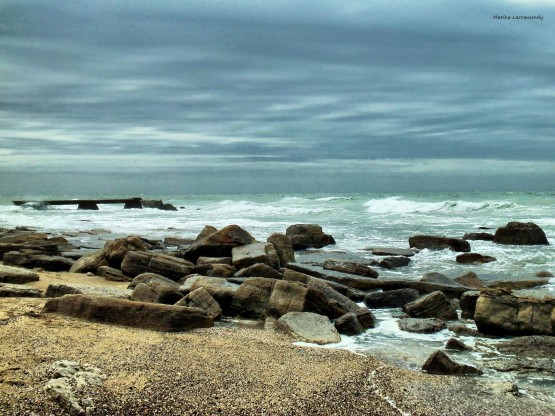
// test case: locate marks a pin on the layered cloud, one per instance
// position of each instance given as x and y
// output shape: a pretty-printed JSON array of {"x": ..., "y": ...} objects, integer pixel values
[{"x": 248, "y": 85}]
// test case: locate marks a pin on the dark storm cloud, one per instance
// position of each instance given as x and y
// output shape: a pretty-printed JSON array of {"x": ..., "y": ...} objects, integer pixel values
[{"x": 292, "y": 81}]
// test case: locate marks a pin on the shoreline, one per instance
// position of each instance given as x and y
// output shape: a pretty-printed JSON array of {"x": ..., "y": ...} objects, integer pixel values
[{"x": 228, "y": 370}]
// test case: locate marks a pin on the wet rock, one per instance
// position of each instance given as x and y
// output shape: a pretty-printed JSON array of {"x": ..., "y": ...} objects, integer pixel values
[
  {"x": 455, "y": 344},
  {"x": 305, "y": 236},
  {"x": 259, "y": 270},
  {"x": 349, "y": 280},
  {"x": 522, "y": 365},
  {"x": 309, "y": 327},
  {"x": 517, "y": 284},
  {"x": 394, "y": 262},
  {"x": 17, "y": 275},
  {"x": 201, "y": 298},
  {"x": 502, "y": 312},
  {"x": 284, "y": 248},
  {"x": 469, "y": 279},
  {"x": 349, "y": 324},
  {"x": 520, "y": 233},
  {"x": 474, "y": 258},
  {"x": 460, "y": 329},
  {"x": 219, "y": 243},
  {"x": 247, "y": 255},
  {"x": 440, "y": 363},
  {"x": 129, "y": 313},
  {"x": 361, "y": 269},
  {"x": 421, "y": 325},
  {"x": 31, "y": 260},
  {"x": 396, "y": 298},
  {"x": 439, "y": 243},
  {"x": 433, "y": 305},
  {"x": 174, "y": 268},
  {"x": 535, "y": 346},
  {"x": 468, "y": 303},
  {"x": 439, "y": 278},
  {"x": 544, "y": 273},
  {"x": 112, "y": 275},
  {"x": 386, "y": 251},
  {"x": 478, "y": 236}
]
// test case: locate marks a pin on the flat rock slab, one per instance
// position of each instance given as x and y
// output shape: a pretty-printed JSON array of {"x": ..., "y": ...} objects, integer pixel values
[
  {"x": 57, "y": 290},
  {"x": 387, "y": 251},
  {"x": 17, "y": 291},
  {"x": 421, "y": 326},
  {"x": 309, "y": 327},
  {"x": 433, "y": 305},
  {"x": 154, "y": 316},
  {"x": 18, "y": 275}
]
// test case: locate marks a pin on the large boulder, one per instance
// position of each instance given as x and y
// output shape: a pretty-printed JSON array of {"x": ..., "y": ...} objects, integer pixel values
[
  {"x": 503, "y": 312},
  {"x": 214, "y": 270},
  {"x": 305, "y": 236},
  {"x": 112, "y": 274},
  {"x": 287, "y": 297},
  {"x": 221, "y": 290},
  {"x": 252, "y": 298},
  {"x": 247, "y": 255},
  {"x": 468, "y": 303},
  {"x": 520, "y": 233},
  {"x": 394, "y": 262},
  {"x": 478, "y": 236},
  {"x": 90, "y": 263},
  {"x": 439, "y": 243},
  {"x": 474, "y": 258},
  {"x": 351, "y": 267},
  {"x": 421, "y": 325},
  {"x": 469, "y": 279},
  {"x": 309, "y": 327},
  {"x": 201, "y": 298},
  {"x": 219, "y": 244},
  {"x": 284, "y": 248},
  {"x": 396, "y": 298},
  {"x": 34, "y": 260},
  {"x": 174, "y": 268},
  {"x": 156, "y": 292},
  {"x": 125, "y": 312},
  {"x": 440, "y": 363},
  {"x": 17, "y": 275},
  {"x": 147, "y": 277},
  {"x": 433, "y": 305},
  {"x": 349, "y": 324}
]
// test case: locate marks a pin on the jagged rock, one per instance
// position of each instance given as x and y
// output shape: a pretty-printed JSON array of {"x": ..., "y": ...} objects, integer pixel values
[
  {"x": 129, "y": 313},
  {"x": 201, "y": 298},
  {"x": 31, "y": 260},
  {"x": 440, "y": 363},
  {"x": 247, "y": 255},
  {"x": 309, "y": 327},
  {"x": 17, "y": 275},
  {"x": 520, "y": 233},
  {"x": 207, "y": 231},
  {"x": 113, "y": 275},
  {"x": 469, "y": 279},
  {"x": 468, "y": 304},
  {"x": 89, "y": 263},
  {"x": 214, "y": 270},
  {"x": 478, "y": 236},
  {"x": 252, "y": 298},
  {"x": 421, "y": 325},
  {"x": 157, "y": 292},
  {"x": 349, "y": 324},
  {"x": 502, "y": 312},
  {"x": 360, "y": 269},
  {"x": 439, "y": 243},
  {"x": 136, "y": 262},
  {"x": 221, "y": 290},
  {"x": 352, "y": 294},
  {"x": 433, "y": 305},
  {"x": 147, "y": 277},
  {"x": 219, "y": 243},
  {"x": 460, "y": 329},
  {"x": 346, "y": 279},
  {"x": 455, "y": 344},
  {"x": 305, "y": 236},
  {"x": 17, "y": 291},
  {"x": 396, "y": 298},
  {"x": 468, "y": 258},
  {"x": 287, "y": 297},
  {"x": 177, "y": 241},
  {"x": 284, "y": 248},
  {"x": 259, "y": 270},
  {"x": 394, "y": 262},
  {"x": 214, "y": 260}
]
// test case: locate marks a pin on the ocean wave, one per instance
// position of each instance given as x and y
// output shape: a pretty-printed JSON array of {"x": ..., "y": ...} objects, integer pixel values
[
  {"x": 230, "y": 208},
  {"x": 398, "y": 205}
]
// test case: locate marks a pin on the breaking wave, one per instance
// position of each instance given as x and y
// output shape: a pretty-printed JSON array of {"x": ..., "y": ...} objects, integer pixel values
[{"x": 398, "y": 205}]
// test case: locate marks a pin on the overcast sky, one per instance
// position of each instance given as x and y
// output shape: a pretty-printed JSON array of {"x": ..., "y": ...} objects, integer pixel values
[{"x": 275, "y": 96}]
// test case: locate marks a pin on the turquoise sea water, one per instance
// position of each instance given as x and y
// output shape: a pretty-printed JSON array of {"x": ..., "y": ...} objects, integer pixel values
[{"x": 357, "y": 221}]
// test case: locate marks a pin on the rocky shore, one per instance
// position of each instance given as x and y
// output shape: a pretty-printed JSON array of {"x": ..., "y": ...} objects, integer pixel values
[{"x": 206, "y": 326}]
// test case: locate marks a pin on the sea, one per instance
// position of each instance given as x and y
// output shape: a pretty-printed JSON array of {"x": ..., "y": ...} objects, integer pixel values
[{"x": 357, "y": 221}]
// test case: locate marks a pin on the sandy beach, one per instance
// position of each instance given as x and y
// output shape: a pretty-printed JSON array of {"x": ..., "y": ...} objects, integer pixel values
[{"x": 228, "y": 370}]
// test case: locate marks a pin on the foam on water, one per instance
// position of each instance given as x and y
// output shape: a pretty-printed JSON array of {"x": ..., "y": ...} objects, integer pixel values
[{"x": 397, "y": 205}]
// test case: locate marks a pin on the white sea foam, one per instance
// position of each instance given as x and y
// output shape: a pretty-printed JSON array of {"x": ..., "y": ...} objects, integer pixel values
[{"x": 398, "y": 205}]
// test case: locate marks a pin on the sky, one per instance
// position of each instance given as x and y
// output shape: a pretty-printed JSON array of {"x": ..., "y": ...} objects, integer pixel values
[{"x": 236, "y": 96}]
